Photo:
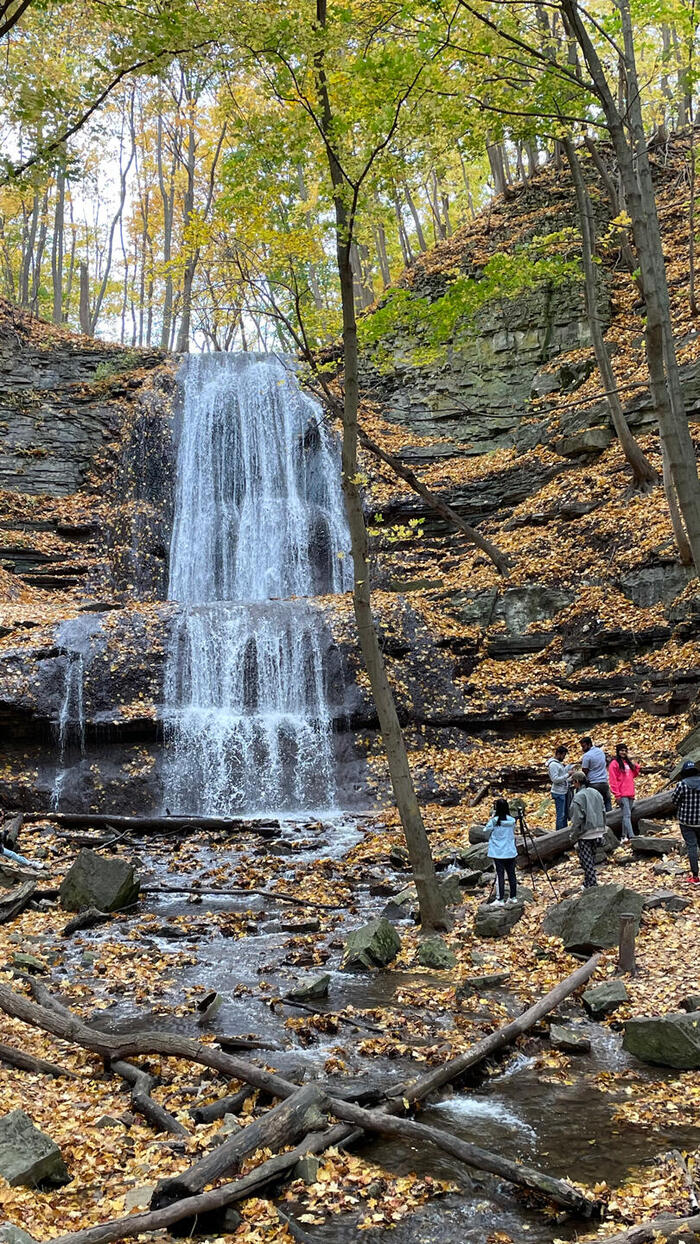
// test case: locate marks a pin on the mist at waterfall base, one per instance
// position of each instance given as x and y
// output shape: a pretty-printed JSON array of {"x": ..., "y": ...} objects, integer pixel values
[{"x": 253, "y": 680}]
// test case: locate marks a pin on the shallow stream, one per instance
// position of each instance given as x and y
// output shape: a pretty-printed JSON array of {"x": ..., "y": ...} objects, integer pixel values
[{"x": 565, "y": 1128}]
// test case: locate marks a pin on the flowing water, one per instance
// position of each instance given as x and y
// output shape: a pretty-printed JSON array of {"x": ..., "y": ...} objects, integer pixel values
[
  {"x": 75, "y": 638},
  {"x": 259, "y": 523}
]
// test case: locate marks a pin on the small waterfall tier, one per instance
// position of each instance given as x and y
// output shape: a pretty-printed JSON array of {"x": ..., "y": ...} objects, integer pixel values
[{"x": 251, "y": 676}]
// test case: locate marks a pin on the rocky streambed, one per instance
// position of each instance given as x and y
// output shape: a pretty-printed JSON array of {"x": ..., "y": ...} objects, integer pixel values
[{"x": 217, "y": 966}]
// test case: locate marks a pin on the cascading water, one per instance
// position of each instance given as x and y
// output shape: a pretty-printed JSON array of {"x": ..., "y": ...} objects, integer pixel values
[
  {"x": 75, "y": 638},
  {"x": 258, "y": 522}
]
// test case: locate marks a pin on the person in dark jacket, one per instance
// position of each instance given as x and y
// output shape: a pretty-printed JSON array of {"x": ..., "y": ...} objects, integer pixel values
[
  {"x": 686, "y": 801},
  {"x": 587, "y": 824}
]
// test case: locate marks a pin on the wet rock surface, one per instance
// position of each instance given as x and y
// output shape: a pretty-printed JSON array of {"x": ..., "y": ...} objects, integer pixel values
[
  {"x": 109, "y": 884},
  {"x": 27, "y": 1155},
  {"x": 666, "y": 1040}
]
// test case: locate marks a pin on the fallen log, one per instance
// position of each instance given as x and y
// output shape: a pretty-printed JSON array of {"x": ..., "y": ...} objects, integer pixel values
[
  {"x": 304, "y": 1111},
  {"x": 88, "y": 919},
  {"x": 13, "y": 903},
  {"x": 160, "y": 1119},
  {"x": 556, "y": 1190},
  {"x": 157, "y": 824},
  {"x": 225, "y": 1105},
  {"x": 195, "y": 1207},
  {"x": 419, "y": 1089},
  {"x": 139, "y": 1081},
  {"x": 656, "y": 1228},
  {"x": 27, "y": 1062},
  {"x": 64, "y": 1024},
  {"x": 660, "y": 805}
]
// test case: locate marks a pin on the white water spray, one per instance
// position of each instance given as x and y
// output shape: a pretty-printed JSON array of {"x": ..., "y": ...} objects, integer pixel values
[{"x": 258, "y": 515}]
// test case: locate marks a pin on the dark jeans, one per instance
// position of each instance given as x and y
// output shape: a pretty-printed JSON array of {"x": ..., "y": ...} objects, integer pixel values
[
  {"x": 503, "y": 867},
  {"x": 560, "y": 802},
  {"x": 691, "y": 837},
  {"x": 604, "y": 790},
  {"x": 586, "y": 848}
]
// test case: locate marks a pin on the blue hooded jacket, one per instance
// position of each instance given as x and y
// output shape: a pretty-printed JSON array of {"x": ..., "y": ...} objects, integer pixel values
[{"x": 501, "y": 838}]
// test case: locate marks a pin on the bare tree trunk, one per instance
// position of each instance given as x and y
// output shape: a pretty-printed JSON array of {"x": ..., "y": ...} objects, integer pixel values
[
  {"x": 57, "y": 243},
  {"x": 403, "y": 237},
  {"x": 495, "y": 155},
  {"x": 183, "y": 341},
  {"x": 614, "y": 201},
  {"x": 679, "y": 532},
  {"x": 431, "y": 904},
  {"x": 382, "y": 257},
  {"x": 123, "y": 175},
  {"x": 29, "y": 239},
  {"x": 416, "y": 218},
  {"x": 643, "y": 473},
  {"x": 39, "y": 254},
  {"x": 636, "y": 174},
  {"x": 168, "y": 200},
  {"x": 84, "y": 299}
]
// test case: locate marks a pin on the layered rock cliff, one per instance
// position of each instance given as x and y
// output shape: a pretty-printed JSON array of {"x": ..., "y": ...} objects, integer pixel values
[{"x": 596, "y": 628}]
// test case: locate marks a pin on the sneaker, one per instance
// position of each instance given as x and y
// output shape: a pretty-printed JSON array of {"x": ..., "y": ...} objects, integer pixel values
[
  {"x": 512, "y": 902},
  {"x": 693, "y": 880},
  {"x": 498, "y": 902}
]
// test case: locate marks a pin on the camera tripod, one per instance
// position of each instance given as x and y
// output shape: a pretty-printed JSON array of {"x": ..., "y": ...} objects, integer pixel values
[{"x": 531, "y": 842}]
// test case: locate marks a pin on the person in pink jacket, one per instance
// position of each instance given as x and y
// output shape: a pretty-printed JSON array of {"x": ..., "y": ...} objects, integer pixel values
[{"x": 621, "y": 773}]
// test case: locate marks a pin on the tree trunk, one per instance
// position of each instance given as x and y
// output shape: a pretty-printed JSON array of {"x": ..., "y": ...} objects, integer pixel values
[
  {"x": 167, "y": 195},
  {"x": 380, "y": 246},
  {"x": 183, "y": 341},
  {"x": 84, "y": 299},
  {"x": 305, "y": 1111},
  {"x": 403, "y": 237},
  {"x": 679, "y": 532},
  {"x": 643, "y": 473},
  {"x": 641, "y": 204},
  {"x": 498, "y": 172},
  {"x": 416, "y": 218},
  {"x": 430, "y": 901},
  {"x": 57, "y": 244}
]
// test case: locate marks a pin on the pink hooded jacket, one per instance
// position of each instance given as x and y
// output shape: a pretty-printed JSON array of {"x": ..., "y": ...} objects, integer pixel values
[{"x": 622, "y": 780}]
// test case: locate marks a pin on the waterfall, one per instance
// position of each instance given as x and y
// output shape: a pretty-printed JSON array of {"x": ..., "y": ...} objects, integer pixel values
[
  {"x": 75, "y": 638},
  {"x": 258, "y": 522}
]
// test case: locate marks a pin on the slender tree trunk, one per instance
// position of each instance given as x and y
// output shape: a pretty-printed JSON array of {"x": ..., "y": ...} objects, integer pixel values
[
  {"x": 680, "y": 534},
  {"x": 168, "y": 200},
  {"x": 29, "y": 240},
  {"x": 57, "y": 244},
  {"x": 614, "y": 202},
  {"x": 39, "y": 254},
  {"x": 641, "y": 203},
  {"x": 495, "y": 155},
  {"x": 84, "y": 299},
  {"x": 382, "y": 257},
  {"x": 403, "y": 237},
  {"x": 416, "y": 218},
  {"x": 116, "y": 219},
  {"x": 643, "y": 472},
  {"x": 183, "y": 341},
  {"x": 432, "y": 907}
]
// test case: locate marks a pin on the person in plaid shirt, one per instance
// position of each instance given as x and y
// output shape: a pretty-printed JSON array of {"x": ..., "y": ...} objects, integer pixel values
[{"x": 686, "y": 801}]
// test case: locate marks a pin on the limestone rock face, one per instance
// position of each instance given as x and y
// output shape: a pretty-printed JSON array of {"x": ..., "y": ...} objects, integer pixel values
[
  {"x": 374, "y": 945},
  {"x": 29, "y": 1157},
  {"x": 665, "y": 1040},
  {"x": 591, "y": 920},
  {"x": 95, "y": 881}
]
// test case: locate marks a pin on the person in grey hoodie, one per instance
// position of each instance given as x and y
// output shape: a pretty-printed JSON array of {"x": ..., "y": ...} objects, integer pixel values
[
  {"x": 587, "y": 824},
  {"x": 559, "y": 773}
]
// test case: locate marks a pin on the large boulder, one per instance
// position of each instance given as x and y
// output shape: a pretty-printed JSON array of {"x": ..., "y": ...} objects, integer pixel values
[
  {"x": 492, "y": 921},
  {"x": 666, "y": 1040},
  {"x": 591, "y": 920},
  {"x": 110, "y": 884},
  {"x": 605, "y": 998},
  {"x": 568, "y": 1040},
  {"x": 374, "y": 945},
  {"x": 27, "y": 1156}
]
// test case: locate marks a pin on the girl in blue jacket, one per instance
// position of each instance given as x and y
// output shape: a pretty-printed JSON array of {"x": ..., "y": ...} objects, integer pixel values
[{"x": 502, "y": 850}]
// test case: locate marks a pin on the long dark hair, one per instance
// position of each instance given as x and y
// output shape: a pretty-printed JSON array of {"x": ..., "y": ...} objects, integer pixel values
[
  {"x": 624, "y": 764},
  {"x": 501, "y": 809}
]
